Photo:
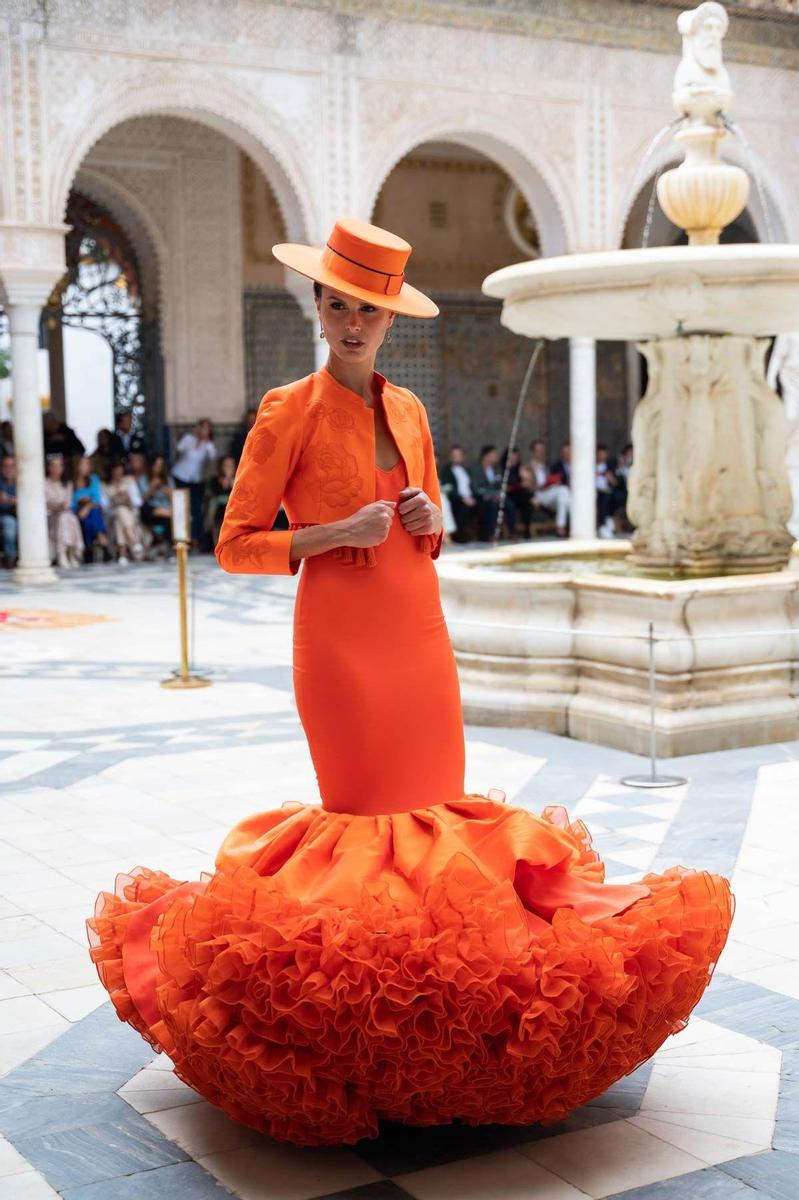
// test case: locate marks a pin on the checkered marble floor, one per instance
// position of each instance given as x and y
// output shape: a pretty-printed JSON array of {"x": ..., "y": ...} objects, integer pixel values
[{"x": 101, "y": 769}]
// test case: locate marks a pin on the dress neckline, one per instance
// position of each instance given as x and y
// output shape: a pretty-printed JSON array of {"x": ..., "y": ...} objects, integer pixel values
[{"x": 388, "y": 470}]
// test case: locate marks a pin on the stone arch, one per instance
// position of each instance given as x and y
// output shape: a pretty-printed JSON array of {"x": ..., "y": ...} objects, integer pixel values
[
  {"x": 539, "y": 181},
  {"x": 137, "y": 223},
  {"x": 780, "y": 225},
  {"x": 257, "y": 130}
]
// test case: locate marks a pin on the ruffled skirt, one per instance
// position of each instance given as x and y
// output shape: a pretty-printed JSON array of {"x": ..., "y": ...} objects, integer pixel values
[{"x": 459, "y": 962}]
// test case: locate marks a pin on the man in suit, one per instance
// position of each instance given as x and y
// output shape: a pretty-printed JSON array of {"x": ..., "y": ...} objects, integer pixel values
[
  {"x": 486, "y": 483},
  {"x": 456, "y": 485},
  {"x": 563, "y": 468},
  {"x": 124, "y": 441}
]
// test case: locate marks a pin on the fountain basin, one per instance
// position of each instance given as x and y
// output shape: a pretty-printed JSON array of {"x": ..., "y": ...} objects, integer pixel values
[
  {"x": 638, "y": 295},
  {"x": 565, "y": 650}
]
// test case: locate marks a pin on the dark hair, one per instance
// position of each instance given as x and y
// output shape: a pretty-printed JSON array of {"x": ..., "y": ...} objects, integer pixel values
[
  {"x": 602, "y": 446},
  {"x": 629, "y": 446},
  {"x": 486, "y": 450},
  {"x": 317, "y": 290},
  {"x": 455, "y": 447},
  {"x": 537, "y": 442}
]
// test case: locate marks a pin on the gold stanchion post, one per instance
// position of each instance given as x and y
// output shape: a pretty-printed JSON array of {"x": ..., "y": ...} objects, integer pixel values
[{"x": 180, "y": 525}]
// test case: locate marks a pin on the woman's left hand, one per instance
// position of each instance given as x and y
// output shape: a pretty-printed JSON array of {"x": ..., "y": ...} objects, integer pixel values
[{"x": 418, "y": 513}]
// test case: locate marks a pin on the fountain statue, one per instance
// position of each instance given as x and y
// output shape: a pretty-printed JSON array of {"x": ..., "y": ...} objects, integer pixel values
[
  {"x": 783, "y": 368},
  {"x": 556, "y": 637},
  {"x": 709, "y": 491}
]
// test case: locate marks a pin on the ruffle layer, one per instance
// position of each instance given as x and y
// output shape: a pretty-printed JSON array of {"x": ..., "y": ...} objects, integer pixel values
[{"x": 457, "y": 962}]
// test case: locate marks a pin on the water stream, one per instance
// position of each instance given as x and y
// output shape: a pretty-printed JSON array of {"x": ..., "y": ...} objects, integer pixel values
[{"x": 735, "y": 129}]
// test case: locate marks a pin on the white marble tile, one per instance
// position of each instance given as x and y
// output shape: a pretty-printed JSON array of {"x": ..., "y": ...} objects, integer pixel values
[
  {"x": 293, "y": 1172},
  {"x": 505, "y": 1175},
  {"x": 75, "y": 971},
  {"x": 27, "y": 1185},
  {"x": 25, "y": 1013},
  {"x": 640, "y": 858},
  {"x": 779, "y": 977},
  {"x": 611, "y": 1158},
  {"x": 737, "y": 957},
  {"x": 653, "y": 832},
  {"x": 11, "y": 1161},
  {"x": 28, "y": 762},
  {"x": 29, "y": 951},
  {"x": 76, "y": 1003},
  {"x": 201, "y": 1129},
  {"x": 719, "y": 1091},
  {"x": 710, "y": 1147},
  {"x": 10, "y": 988},
  {"x": 781, "y": 940},
  {"x": 16, "y": 1048}
]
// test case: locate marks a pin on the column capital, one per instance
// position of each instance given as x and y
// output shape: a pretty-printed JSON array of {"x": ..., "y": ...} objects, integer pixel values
[{"x": 32, "y": 260}]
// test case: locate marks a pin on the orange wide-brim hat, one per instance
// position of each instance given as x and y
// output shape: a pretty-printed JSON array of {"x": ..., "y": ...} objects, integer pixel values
[{"x": 363, "y": 261}]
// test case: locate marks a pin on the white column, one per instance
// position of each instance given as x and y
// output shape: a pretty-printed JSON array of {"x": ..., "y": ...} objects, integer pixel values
[
  {"x": 33, "y": 564},
  {"x": 582, "y": 423}
]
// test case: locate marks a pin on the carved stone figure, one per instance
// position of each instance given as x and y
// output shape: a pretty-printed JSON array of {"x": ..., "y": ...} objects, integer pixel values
[
  {"x": 701, "y": 83},
  {"x": 784, "y": 368},
  {"x": 708, "y": 489}
]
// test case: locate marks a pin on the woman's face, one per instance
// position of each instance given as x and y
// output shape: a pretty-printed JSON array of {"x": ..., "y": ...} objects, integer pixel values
[
  {"x": 228, "y": 465},
  {"x": 84, "y": 468},
  {"x": 158, "y": 465},
  {"x": 353, "y": 328},
  {"x": 204, "y": 429},
  {"x": 55, "y": 469}
]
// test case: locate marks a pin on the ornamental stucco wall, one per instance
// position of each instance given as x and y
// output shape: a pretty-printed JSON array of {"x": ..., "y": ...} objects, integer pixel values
[{"x": 325, "y": 103}]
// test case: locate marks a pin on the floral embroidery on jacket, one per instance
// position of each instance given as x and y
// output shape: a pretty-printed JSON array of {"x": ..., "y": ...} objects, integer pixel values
[
  {"x": 394, "y": 409},
  {"x": 261, "y": 443},
  {"x": 337, "y": 418},
  {"x": 243, "y": 502},
  {"x": 339, "y": 481}
]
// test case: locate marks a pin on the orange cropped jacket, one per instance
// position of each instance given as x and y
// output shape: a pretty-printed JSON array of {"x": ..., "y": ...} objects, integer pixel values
[{"x": 312, "y": 449}]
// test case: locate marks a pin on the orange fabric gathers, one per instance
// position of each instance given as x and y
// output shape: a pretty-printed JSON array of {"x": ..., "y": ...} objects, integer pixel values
[{"x": 406, "y": 951}]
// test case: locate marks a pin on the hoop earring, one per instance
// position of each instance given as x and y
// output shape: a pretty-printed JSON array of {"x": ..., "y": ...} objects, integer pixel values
[{"x": 322, "y": 334}]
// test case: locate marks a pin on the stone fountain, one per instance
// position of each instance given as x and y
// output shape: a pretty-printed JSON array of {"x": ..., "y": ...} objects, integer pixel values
[{"x": 709, "y": 493}]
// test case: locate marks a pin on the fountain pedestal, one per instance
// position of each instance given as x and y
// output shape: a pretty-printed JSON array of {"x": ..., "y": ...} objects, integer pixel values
[{"x": 709, "y": 493}]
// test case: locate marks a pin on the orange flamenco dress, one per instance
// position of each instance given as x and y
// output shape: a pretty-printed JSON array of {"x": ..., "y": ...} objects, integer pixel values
[{"x": 406, "y": 951}]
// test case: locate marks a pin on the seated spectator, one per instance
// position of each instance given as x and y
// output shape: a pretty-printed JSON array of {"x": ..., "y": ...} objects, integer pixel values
[
  {"x": 137, "y": 469},
  {"x": 196, "y": 456},
  {"x": 219, "y": 490},
  {"x": 104, "y": 455},
  {"x": 622, "y": 472},
  {"x": 87, "y": 503},
  {"x": 550, "y": 492},
  {"x": 456, "y": 485},
  {"x": 156, "y": 510},
  {"x": 487, "y": 484},
  {"x": 60, "y": 439},
  {"x": 518, "y": 491},
  {"x": 240, "y": 436},
  {"x": 561, "y": 471},
  {"x": 8, "y": 509},
  {"x": 125, "y": 442},
  {"x": 6, "y": 438},
  {"x": 63, "y": 527},
  {"x": 606, "y": 501},
  {"x": 124, "y": 503}
]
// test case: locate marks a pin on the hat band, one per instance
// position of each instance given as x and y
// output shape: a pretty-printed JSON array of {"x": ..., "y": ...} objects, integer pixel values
[{"x": 361, "y": 275}]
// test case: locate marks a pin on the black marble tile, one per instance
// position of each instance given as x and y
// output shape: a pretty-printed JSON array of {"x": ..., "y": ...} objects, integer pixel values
[
  {"x": 77, "y": 1156},
  {"x": 699, "y": 1185},
  {"x": 773, "y": 1174},
  {"x": 383, "y": 1189},
  {"x": 182, "y": 1181},
  {"x": 402, "y": 1148}
]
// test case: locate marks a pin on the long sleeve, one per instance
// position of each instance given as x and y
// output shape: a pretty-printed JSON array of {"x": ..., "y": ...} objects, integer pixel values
[
  {"x": 431, "y": 484},
  {"x": 247, "y": 544}
]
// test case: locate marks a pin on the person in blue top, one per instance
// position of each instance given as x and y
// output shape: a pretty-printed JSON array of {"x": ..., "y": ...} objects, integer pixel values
[{"x": 87, "y": 502}]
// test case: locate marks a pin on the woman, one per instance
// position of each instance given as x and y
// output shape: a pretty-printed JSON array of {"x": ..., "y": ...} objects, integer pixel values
[
  {"x": 518, "y": 491},
  {"x": 196, "y": 455},
  {"x": 406, "y": 951},
  {"x": 156, "y": 508},
  {"x": 87, "y": 502},
  {"x": 63, "y": 527},
  {"x": 124, "y": 504},
  {"x": 105, "y": 453},
  {"x": 219, "y": 491}
]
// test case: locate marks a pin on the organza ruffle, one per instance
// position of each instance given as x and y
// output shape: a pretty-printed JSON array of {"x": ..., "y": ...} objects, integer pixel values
[{"x": 457, "y": 962}]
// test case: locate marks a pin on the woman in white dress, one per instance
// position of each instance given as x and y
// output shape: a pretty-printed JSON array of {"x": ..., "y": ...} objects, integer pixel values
[{"x": 63, "y": 527}]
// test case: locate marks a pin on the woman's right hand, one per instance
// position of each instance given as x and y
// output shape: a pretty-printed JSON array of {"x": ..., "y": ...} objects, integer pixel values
[{"x": 368, "y": 526}]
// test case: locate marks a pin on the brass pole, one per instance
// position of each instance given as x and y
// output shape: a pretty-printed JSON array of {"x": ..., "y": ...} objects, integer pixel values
[{"x": 182, "y": 678}]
